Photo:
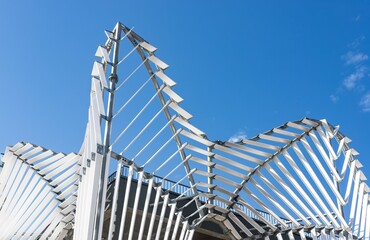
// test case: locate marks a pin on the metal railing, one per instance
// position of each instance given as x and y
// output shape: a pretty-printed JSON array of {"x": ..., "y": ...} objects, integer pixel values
[{"x": 179, "y": 188}]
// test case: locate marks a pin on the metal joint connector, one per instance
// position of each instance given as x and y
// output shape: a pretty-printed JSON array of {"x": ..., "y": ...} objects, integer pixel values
[
  {"x": 100, "y": 149},
  {"x": 113, "y": 78}
]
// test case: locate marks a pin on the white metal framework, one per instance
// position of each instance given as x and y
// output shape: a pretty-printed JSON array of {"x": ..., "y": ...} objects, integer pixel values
[{"x": 300, "y": 180}]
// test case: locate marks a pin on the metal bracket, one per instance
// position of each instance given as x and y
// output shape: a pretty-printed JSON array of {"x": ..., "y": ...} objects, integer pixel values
[
  {"x": 113, "y": 78},
  {"x": 100, "y": 149},
  {"x": 88, "y": 162},
  {"x": 104, "y": 117}
]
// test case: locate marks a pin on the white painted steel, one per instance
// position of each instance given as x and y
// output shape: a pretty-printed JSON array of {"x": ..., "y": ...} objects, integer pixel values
[
  {"x": 112, "y": 223},
  {"x": 134, "y": 209},
  {"x": 303, "y": 174},
  {"x": 146, "y": 206},
  {"x": 125, "y": 203},
  {"x": 29, "y": 203}
]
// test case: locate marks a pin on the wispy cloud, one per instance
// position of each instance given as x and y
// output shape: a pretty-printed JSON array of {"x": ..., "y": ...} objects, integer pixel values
[
  {"x": 358, "y": 17},
  {"x": 237, "y": 137},
  {"x": 351, "y": 81},
  {"x": 365, "y": 102},
  {"x": 355, "y": 62},
  {"x": 351, "y": 58},
  {"x": 334, "y": 98},
  {"x": 356, "y": 43}
]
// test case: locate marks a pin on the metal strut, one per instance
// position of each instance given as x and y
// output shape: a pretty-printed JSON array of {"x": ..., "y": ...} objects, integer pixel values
[{"x": 113, "y": 78}]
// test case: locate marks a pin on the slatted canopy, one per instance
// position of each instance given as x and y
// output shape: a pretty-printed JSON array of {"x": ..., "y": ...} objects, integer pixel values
[
  {"x": 38, "y": 192},
  {"x": 300, "y": 180}
]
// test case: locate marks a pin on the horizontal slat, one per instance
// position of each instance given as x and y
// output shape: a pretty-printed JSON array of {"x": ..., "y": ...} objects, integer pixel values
[
  {"x": 189, "y": 126},
  {"x": 40, "y": 156},
  {"x": 227, "y": 181},
  {"x": 21, "y": 150},
  {"x": 70, "y": 200},
  {"x": 180, "y": 110},
  {"x": 233, "y": 163},
  {"x": 199, "y": 150},
  {"x": 31, "y": 153},
  {"x": 148, "y": 47},
  {"x": 248, "y": 149},
  {"x": 66, "y": 162},
  {"x": 205, "y": 185},
  {"x": 274, "y": 139},
  {"x": 230, "y": 171},
  {"x": 238, "y": 154},
  {"x": 158, "y": 62},
  {"x": 103, "y": 53},
  {"x": 48, "y": 161},
  {"x": 197, "y": 138},
  {"x": 68, "y": 209},
  {"x": 62, "y": 177},
  {"x": 262, "y": 145},
  {"x": 67, "y": 192},
  {"x": 68, "y": 218},
  {"x": 286, "y": 133},
  {"x": 172, "y": 94},
  {"x": 298, "y": 126},
  {"x": 165, "y": 78},
  {"x": 201, "y": 161},
  {"x": 17, "y": 146},
  {"x": 227, "y": 202},
  {"x": 310, "y": 122},
  {"x": 204, "y": 173}
]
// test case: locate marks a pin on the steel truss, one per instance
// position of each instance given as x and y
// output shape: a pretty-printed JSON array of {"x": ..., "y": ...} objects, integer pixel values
[{"x": 300, "y": 180}]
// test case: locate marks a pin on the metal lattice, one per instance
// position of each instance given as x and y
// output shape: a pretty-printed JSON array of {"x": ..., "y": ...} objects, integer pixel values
[{"x": 300, "y": 180}]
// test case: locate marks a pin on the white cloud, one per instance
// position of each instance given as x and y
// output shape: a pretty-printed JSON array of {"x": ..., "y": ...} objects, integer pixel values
[
  {"x": 334, "y": 98},
  {"x": 355, "y": 62},
  {"x": 365, "y": 102},
  {"x": 351, "y": 58},
  {"x": 237, "y": 137},
  {"x": 350, "y": 81},
  {"x": 356, "y": 43}
]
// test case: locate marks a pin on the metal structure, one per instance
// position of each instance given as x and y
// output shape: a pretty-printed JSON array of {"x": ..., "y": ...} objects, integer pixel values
[{"x": 300, "y": 180}]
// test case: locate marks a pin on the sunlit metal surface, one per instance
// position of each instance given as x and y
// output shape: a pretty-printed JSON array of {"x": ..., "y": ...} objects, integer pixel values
[{"x": 301, "y": 180}]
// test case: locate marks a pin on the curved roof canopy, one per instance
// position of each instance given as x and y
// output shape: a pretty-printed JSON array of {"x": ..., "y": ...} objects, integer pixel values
[{"x": 298, "y": 180}]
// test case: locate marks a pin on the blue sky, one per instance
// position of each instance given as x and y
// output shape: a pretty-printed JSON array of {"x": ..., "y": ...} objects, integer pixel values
[{"x": 242, "y": 68}]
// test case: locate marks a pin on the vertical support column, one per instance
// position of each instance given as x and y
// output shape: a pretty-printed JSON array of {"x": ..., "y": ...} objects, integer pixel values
[
  {"x": 183, "y": 230},
  {"x": 170, "y": 219},
  {"x": 154, "y": 212},
  {"x": 367, "y": 231},
  {"x": 136, "y": 203},
  {"x": 162, "y": 216},
  {"x": 112, "y": 224},
  {"x": 146, "y": 206},
  {"x": 210, "y": 180},
  {"x": 113, "y": 78},
  {"x": 125, "y": 203},
  {"x": 177, "y": 223}
]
